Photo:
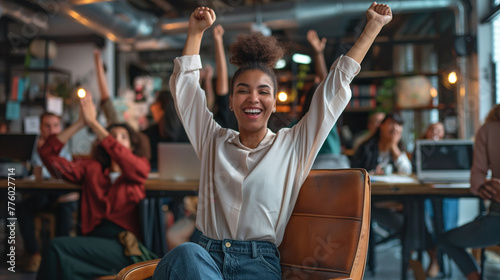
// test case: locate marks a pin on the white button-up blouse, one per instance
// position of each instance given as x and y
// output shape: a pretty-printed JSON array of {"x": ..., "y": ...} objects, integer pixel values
[{"x": 249, "y": 194}]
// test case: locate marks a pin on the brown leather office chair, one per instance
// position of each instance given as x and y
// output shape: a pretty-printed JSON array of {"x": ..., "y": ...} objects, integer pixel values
[{"x": 327, "y": 234}]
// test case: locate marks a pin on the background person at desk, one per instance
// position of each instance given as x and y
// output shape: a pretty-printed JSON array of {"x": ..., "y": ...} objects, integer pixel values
[
  {"x": 62, "y": 205},
  {"x": 329, "y": 156},
  {"x": 383, "y": 152},
  {"x": 112, "y": 187},
  {"x": 436, "y": 132},
  {"x": 484, "y": 230}
]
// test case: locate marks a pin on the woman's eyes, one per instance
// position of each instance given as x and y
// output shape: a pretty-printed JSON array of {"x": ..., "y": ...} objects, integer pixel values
[{"x": 246, "y": 91}]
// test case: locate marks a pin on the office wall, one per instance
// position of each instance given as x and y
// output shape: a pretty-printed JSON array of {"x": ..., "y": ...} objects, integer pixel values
[{"x": 79, "y": 60}]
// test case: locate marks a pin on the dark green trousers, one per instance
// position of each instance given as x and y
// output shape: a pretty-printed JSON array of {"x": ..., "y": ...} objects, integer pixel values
[{"x": 87, "y": 257}]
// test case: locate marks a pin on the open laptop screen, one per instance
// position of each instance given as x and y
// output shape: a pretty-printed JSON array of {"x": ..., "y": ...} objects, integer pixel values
[
  {"x": 178, "y": 162},
  {"x": 17, "y": 147},
  {"x": 445, "y": 160}
]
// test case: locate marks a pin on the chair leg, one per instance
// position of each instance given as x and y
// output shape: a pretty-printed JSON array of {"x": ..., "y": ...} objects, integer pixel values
[
  {"x": 371, "y": 251},
  {"x": 483, "y": 260}
]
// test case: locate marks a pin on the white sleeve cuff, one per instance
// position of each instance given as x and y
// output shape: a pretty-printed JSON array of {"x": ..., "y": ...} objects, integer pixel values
[{"x": 187, "y": 63}]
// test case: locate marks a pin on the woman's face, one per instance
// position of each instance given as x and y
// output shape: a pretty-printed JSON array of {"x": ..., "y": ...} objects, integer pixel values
[
  {"x": 390, "y": 130},
  {"x": 253, "y": 100},
  {"x": 121, "y": 135},
  {"x": 435, "y": 132}
]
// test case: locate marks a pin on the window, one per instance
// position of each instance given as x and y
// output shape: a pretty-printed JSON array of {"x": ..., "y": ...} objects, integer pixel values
[{"x": 496, "y": 56}]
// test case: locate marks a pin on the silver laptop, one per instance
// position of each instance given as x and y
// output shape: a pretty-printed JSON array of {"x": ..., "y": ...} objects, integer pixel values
[
  {"x": 443, "y": 161},
  {"x": 178, "y": 162}
]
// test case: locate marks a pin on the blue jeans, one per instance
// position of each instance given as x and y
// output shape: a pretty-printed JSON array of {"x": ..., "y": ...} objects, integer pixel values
[
  {"x": 482, "y": 232},
  {"x": 220, "y": 259},
  {"x": 450, "y": 212}
]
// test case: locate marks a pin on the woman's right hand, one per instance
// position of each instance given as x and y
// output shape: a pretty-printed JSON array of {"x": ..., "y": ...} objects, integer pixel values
[
  {"x": 201, "y": 19},
  {"x": 490, "y": 190}
]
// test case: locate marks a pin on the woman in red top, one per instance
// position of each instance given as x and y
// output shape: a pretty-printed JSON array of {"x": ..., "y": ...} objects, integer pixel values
[{"x": 112, "y": 186}]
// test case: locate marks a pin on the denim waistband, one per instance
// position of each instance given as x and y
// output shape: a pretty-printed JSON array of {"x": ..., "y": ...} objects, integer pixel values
[{"x": 237, "y": 246}]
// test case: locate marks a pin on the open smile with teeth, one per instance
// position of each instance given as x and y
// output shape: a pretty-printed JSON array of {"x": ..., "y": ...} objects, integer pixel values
[{"x": 252, "y": 111}]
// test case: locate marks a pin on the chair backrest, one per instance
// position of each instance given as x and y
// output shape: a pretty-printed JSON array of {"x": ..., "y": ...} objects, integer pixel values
[{"x": 327, "y": 234}]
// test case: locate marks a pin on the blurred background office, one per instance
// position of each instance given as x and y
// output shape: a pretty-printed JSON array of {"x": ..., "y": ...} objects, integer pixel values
[{"x": 436, "y": 62}]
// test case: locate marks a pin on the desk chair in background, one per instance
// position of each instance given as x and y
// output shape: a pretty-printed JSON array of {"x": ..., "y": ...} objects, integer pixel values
[
  {"x": 327, "y": 234},
  {"x": 480, "y": 256}
]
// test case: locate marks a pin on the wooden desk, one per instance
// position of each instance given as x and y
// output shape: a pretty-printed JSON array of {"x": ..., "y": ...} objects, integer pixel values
[
  {"x": 426, "y": 189},
  {"x": 54, "y": 184},
  {"x": 173, "y": 187}
]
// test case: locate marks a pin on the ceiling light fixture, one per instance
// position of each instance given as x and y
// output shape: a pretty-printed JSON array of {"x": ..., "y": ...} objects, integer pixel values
[
  {"x": 280, "y": 64},
  {"x": 282, "y": 96},
  {"x": 452, "y": 77},
  {"x": 301, "y": 58}
]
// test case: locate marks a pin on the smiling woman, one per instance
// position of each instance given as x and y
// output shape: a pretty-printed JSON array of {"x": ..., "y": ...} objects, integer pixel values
[{"x": 250, "y": 180}]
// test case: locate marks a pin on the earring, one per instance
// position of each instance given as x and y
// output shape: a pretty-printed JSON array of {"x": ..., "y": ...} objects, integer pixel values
[
  {"x": 274, "y": 110},
  {"x": 230, "y": 108}
]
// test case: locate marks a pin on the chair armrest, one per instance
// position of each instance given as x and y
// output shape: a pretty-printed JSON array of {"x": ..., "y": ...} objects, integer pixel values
[{"x": 141, "y": 270}]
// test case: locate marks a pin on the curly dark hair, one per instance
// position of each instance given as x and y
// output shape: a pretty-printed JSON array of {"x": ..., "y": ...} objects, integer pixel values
[
  {"x": 100, "y": 154},
  {"x": 254, "y": 51}
]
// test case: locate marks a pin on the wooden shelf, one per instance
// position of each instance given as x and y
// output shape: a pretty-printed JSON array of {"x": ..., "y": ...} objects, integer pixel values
[
  {"x": 390, "y": 74},
  {"x": 361, "y": 109},
  {"x": 42, "y": 70},
  {"x": 439, "y": 107},
  {"x": 374, "y": 74}
]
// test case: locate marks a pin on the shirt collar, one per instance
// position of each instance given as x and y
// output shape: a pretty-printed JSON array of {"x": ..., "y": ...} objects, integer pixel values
[{"x": 268, "y": 140}]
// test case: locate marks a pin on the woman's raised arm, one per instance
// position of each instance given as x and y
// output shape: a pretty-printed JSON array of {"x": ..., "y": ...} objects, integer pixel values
[{"x": 377, "y": 16}]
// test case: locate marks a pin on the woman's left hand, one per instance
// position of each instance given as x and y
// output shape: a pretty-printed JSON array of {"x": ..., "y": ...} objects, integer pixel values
[
  {"x": 380, "y": 13},
  {"x": 87, "y": 109}
]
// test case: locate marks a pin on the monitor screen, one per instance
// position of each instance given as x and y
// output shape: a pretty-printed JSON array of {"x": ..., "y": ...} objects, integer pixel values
[
  {"x": 446, "y": 155},
  {"x": 444, "y": 161},
  {"x": 16, "y": 147}
]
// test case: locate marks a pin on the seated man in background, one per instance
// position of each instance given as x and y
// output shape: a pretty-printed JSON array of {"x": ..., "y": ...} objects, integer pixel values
[
  {"x": 167, "y": 126},
  {"x": 374, "y": 121},
  {"x": 63, "y": 205}
]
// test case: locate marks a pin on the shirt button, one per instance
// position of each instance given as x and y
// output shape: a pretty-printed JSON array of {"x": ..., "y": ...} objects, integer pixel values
[{"x": 228, "y": 244}]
